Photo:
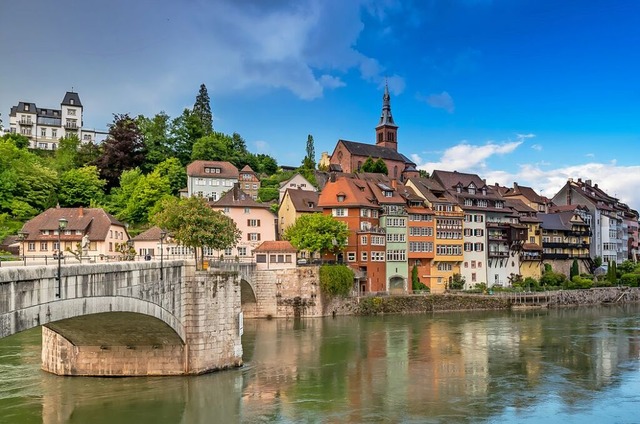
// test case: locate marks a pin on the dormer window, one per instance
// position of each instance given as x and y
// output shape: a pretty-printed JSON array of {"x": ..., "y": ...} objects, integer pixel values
[
  {"x": 311, "y": 205},
  {"x": 388, "y": 193},
  {"x": 472, "y": 190},
  {"x": 341, "y": 197},
  {"x": 26, "y": 108},
  {"x": 484, "y": 191},
  {"x": 499, "y": 205},
  {"x": 71, "y": 102}
]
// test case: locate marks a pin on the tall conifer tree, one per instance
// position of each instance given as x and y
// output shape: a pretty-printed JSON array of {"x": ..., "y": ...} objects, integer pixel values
[{"x": 202, "y": 109}]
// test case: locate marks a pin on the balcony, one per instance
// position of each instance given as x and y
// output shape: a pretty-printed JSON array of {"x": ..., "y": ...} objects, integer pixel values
[
  {"x": 26, "y": 122},
  {"x": 71, "y": 126},
  {"x": 555, "y": 256},
  {"x": 498, "y": 254}
]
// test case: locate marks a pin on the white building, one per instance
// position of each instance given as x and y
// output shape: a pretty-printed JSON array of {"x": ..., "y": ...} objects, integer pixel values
[
  {"x": 44, "y": 126},
  {"x": 210, "y": 179}
]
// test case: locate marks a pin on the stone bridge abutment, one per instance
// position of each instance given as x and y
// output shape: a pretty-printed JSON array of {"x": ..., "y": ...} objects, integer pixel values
[{"x": 126, "y": 318}]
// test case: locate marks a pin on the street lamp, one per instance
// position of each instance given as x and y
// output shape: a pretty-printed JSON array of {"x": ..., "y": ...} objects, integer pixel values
[
  {"x": 163, "y": 234},
  {"x": 130, "y": 246},
  {"x": 22, "y": 236},
  {"x": 62, "y": 224}
]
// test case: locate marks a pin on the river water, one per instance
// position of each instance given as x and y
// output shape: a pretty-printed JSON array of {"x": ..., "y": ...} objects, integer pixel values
[{"x": 543, "y": 366}]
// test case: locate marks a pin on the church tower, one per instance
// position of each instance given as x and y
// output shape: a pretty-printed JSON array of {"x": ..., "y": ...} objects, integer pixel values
[{"x": 387, "y": 130}]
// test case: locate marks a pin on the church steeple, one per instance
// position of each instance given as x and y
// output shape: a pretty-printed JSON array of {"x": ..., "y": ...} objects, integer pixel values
[{"x": 387, "y": 130}]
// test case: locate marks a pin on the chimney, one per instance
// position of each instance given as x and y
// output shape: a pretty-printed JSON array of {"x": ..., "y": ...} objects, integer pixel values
[
  {"x": 588, "y": 182},
  {"x": 595, "y": 185},
  {"x": 579, "y": 180},
  {"x": 394, "y": 184},
  {"x": 80, "y": 212},
  {"x": 332, "y": 177}
]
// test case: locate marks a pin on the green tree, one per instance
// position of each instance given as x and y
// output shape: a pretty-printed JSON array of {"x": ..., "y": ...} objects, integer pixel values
[
  {"x": 416, "y": 284},
  {"x": 612, "y": 273},
  {"x": 27, "y": 186},
  {"x": 19, "y": 140},
  {"x": 66, "y": 154},
  {"x": 174, "y": 172},
  {"x": 336, "y": 280},
  {"x": 457, "y": 282},
  {"x": 81, "y": 187},
  {"x": 157, "y": 143},
  {"x": 575, "y": 270},
  {"x": 184, "y": 132},
  {"x": 215, "y": 146},
  {"x": 317, "y": 232},
  {"x": 380, "y": 167},
  {"x": 597, "y": 261},
  {"x": 202, "y": 109},
  {"x": 120, "y": 195},
  {"x": 122, "y": 150},
  {"x": 309, "y": 161},
  {"x": 368, "y": 165},
  {"x": 149, "y": 189},
  {"x": 192, "y": 223},
  {"x": 266, "y": 164}
]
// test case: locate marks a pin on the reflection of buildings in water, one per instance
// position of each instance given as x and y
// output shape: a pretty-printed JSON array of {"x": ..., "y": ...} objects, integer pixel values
[{"x": 474, "y": 348}]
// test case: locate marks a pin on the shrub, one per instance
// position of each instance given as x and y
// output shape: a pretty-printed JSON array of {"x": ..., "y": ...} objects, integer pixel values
[
  {"x": 457, "y": 282},
  {"x": 630, "y": 279},
  {"x": 336, "y": 280},
  {"x": 578, "y": 282}
]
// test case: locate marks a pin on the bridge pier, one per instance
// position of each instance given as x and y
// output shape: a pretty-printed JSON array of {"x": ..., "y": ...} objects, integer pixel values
[{"x": 121, "y": 319}]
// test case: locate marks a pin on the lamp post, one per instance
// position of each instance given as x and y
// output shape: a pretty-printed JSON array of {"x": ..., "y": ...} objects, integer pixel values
[
  {"x": 22, "y": 236},
  {"x": 62, "y": 224},
  {"x": 163, "y": 234},
  {"x": 130, "y": 246}
]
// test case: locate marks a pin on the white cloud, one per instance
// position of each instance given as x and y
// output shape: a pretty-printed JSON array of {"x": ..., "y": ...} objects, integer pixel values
[
  {"x": 465, "y": 157},
  {"x": 617, "y": 181},
  {"x": 537, "y": 147},
  {"x": 262, "y": 146},
  {"x": 590, "y": 155},
  {"x": 441, "y": 101}
]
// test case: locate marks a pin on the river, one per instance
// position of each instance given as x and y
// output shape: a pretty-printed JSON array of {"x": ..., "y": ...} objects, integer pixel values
[{"x": 542, "y": 366}]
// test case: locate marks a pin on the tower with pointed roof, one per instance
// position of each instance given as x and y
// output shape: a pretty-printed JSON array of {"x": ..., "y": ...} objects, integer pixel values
[{"x": 387, "y": 130}]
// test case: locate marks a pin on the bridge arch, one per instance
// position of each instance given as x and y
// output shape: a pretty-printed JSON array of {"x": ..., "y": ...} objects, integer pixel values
[{"x": 37, "y": 315}]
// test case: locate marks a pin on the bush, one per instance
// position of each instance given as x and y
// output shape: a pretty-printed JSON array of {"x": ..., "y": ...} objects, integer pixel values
[
  {"x": 631, "y": 280},
  {"x": 578, "y": 282},
  {"x": 336, "y": 280},
  {"x": 457, "y": 282}
]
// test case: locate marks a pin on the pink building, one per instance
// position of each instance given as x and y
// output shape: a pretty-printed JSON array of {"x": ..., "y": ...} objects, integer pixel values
[{"x": 255, "y": 221}]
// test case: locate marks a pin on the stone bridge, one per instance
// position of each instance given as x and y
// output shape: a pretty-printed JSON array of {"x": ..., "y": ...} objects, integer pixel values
[{"x": 129, "y": 318}]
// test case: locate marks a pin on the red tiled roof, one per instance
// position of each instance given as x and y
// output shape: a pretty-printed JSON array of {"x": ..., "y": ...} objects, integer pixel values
[
  {"x": 94, "y": 222},
  {"x": 197, "y": 169},
  {"x": 275, "y": 246}
]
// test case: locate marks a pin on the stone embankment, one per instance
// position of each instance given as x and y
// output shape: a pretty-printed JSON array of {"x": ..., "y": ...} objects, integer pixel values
[{"x": 373, "y": 305}]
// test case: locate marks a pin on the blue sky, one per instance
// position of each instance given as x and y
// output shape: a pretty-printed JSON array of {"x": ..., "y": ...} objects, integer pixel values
[{"x": 529, "y": 91}]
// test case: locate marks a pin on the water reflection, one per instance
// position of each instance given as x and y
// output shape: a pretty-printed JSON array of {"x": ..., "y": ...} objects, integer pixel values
[{"x": 551, "y": 365}]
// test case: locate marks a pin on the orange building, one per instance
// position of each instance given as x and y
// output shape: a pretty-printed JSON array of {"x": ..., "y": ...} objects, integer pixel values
[
  {"x": 351, "y": 201},
  {"x": 421, "y": 235}
]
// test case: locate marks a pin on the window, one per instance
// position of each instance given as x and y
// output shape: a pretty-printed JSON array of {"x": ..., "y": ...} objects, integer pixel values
[
  {"x": 478, "y": 218},
  {"x": 253, "y": 222},
  {"x": 54, "y": 133},
  {"x": 341, "y": 197},
  {"x": 478, "y": 232},
  {"x": 377, "y": 240},
  {"x": 363, "y": 240},
  {"x": 468, "y": 202},
  {"x": 363, "y": 256},
  {"x": 261, "y": 258},
  {"x": 43, "y": 132},
  {"x": 228, "y": 251},
  {"x": 71, "y": 112},
  {"x": 31, "y": 247},
  {"x": 396, "y": 255},
  {"x": 365, "y": 213},
  {"x": 468, "y": 232},
  {"x": 351, "y": 256},
  {"x": 253, "y": 236},
  {"x": 468, "y": 247},
  {"x": 247, "y": 210},
  {"x": 445, "y": 266},
  {"x": 478, "y": 247},
  {"x": 420, "y": 246},
  {"x": 377, "y": 256},
  {"x": 339, "y": 212},
  {"x": 396, "y": 222},
  {"x": 255, "y": 186},
  {"x": 473, "y": 277},
  {"x": 246, "y": 186},
  {"x": 110, "y": 247},
  {"x": 473, "y": 264},
  {"x": 395, "y": 238}
]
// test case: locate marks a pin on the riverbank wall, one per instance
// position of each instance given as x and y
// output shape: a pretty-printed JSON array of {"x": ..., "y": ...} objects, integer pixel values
[{"x": 409, "y": 304}]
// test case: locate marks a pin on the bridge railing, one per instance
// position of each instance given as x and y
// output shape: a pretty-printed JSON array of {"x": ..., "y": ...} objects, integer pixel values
[{"x": 69, "y": 259}]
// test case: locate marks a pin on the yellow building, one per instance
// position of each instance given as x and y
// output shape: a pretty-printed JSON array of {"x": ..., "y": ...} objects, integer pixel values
[{"x": 296, "y": 202}]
